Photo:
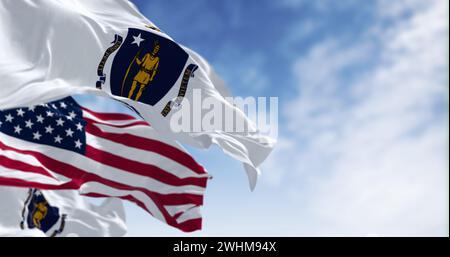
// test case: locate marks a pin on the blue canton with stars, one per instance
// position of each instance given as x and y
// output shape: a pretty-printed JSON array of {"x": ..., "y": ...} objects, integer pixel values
[{"x": 59, "y": 124}]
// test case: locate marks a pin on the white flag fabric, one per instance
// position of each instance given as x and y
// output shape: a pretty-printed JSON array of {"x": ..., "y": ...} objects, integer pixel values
[
  {"x": 31, "y": 212},
  {"x": 51, "y": 49}
]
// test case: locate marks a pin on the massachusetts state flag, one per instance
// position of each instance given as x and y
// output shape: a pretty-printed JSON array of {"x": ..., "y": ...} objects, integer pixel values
[
  {"x": 61, "y": 145},
  {"x": 51, "y": 49},
  {"x": 60, "y": 213}
]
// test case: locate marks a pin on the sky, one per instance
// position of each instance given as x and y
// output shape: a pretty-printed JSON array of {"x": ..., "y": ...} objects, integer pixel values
[{"x": 363, "y": 115}]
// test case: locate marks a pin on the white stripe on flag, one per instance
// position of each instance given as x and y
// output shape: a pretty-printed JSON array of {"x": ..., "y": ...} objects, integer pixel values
[
  {"x": 141, "y": 131},
  {"x": 95, "y": 187},
  {"x": 174, "y": 209},
  {"x": 192, "y": 213},
  {"x": 145, "y": 157},
  {"x": 88, "y": 115}
]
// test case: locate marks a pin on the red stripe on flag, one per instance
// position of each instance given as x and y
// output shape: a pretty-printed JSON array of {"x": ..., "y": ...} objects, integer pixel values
[
  {"x": 109, "y": 116},
  {"x": 148, "y": 145},
  {"x": 25, "y": 167},
  {"x": 143, "y": 169}
]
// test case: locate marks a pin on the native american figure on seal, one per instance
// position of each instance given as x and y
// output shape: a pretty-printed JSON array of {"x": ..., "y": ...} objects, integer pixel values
[
  {"x": 39, "y": 213},
  {"x": 148, "y": 67}
]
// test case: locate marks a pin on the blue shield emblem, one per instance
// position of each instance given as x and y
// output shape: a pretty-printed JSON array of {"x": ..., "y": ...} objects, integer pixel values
[
  {"x": 146, "y": 66},
  {"x": 40, "y": 214}
]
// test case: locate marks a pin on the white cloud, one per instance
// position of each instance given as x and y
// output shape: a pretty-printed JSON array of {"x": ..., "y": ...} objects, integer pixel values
[{"x": 371, "y": 149}]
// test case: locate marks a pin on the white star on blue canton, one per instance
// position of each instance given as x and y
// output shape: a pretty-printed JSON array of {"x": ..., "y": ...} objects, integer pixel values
[
  {"x": 63, "y": 105},
  {"x": 37, "y": 135},
  {"x": 58, "y": 139},
  {"x": 59, "y": 122},
  {"x": 137, "y": 40},
  {"x": 40, "y": 119},
  {"x": 72, "y": 114},
  {"x": 28, "y": 124},
  {"x": 17, "y": 129},
  {"x": 9, "y": 117},
  {"x": 20, "y": 112},
  {"x": 78, "y": 144},
  {"x": 79, "y": 126},
  {"x": 49, "y": 113},
  {"x": 69, "y": 132},
  {"x": 49, "y": 129}
]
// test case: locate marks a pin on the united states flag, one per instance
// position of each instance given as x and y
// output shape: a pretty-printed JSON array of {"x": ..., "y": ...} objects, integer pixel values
[{"x": 62, "y": 145}]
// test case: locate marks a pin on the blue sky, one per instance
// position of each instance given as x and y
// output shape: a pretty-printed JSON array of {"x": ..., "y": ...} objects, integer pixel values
[{"x": 363, "y": 111}]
